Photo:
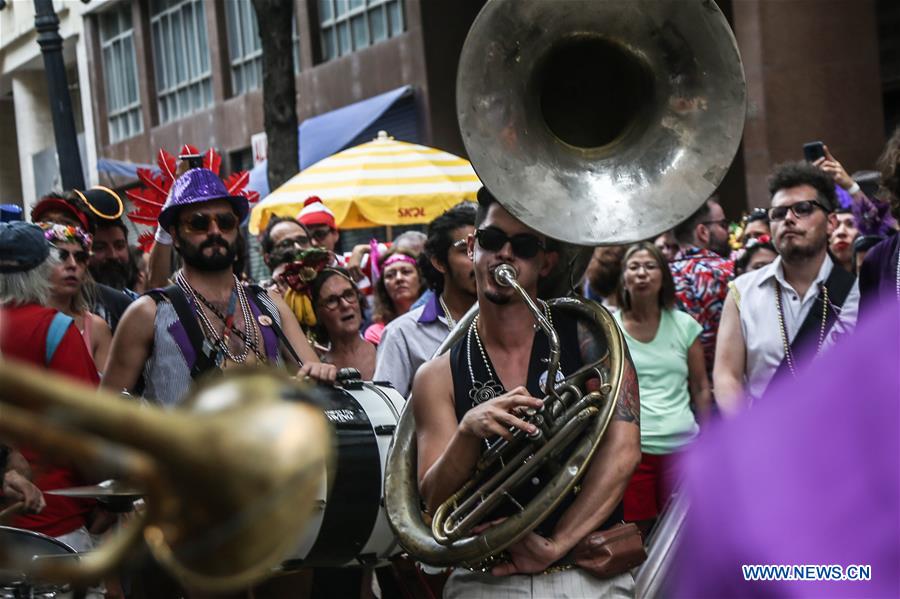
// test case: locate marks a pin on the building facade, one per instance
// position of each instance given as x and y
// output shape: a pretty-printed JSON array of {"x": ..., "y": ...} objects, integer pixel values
[{"x": 151, "y": 74}]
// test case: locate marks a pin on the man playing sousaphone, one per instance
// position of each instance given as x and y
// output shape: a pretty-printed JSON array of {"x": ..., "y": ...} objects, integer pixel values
[{"x": 485, "y": 384}]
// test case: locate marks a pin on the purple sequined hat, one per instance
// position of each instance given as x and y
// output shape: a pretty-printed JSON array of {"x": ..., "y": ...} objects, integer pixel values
[{"x": 196, "y": 186}]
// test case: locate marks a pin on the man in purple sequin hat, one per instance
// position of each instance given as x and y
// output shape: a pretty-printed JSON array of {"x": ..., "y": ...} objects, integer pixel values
[{"x": 207, "y": 320}]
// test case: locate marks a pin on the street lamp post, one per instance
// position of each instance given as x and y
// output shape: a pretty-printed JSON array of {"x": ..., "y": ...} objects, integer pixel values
[{"x": 47, "y": 24}]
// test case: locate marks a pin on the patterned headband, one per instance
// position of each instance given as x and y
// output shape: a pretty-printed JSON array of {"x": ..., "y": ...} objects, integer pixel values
[
  {"x": 66, "y": 234},
  {"x": 398, "y": 258}
]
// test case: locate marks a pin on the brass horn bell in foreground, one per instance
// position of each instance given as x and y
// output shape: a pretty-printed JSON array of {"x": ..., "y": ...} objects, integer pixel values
[
  {"x": 229, "y": 479},
  {"x": 593, "y": 122}
]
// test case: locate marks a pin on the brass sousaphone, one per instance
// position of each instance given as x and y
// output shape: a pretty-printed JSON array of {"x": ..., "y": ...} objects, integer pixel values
[{"x": 593, "y": 122}]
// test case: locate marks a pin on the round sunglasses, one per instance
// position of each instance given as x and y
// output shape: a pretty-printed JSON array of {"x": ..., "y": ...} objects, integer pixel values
[
  {"x": 199, "y": 223},
  {"x": 81, "y": 256},
  {"x": 524, "y": 245}
]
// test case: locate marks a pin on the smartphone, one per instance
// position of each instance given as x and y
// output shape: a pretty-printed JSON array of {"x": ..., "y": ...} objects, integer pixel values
[{"x": 813, "y": 150}]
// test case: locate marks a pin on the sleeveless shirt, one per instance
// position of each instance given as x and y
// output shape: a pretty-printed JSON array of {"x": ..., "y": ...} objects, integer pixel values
[
  {"x": 570, "y": 361},
  {"x": 167, "y": 374}
]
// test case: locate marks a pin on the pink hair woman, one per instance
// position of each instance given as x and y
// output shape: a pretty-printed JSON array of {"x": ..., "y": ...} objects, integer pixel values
[{"x": 397, "y": 289}]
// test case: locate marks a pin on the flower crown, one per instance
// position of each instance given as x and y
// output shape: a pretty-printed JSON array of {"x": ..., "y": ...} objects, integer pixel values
[
  {"x": 751, "y": 243},
  {"x": 66, "y": 234},
  {"x": 300, "y": 272}
]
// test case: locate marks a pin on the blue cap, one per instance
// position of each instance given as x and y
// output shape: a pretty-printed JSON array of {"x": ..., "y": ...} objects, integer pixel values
[
  {"x": 22, "y": 246},
  {"x": 10, "y": 212}
]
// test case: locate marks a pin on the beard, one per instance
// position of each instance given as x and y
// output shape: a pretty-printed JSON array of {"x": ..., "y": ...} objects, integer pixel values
[
  {"x": 193, "y": 254},
  {"x": 720, "y": 247},
  {"x": 791, "y": 251},
  {"x": 496, "y": 297},
  {"x": 112, "y": 273}
]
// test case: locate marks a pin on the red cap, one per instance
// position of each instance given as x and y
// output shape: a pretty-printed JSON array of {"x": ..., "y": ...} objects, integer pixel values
[
  {"x": 49, "y": 204},
  {"x": 315, "y": 212}
]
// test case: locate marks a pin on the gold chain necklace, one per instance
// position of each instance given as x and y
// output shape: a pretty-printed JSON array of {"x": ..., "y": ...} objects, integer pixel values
[{"x": 788, "y": 354}]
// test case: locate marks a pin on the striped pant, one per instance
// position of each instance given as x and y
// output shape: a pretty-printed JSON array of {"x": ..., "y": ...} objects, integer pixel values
[{"x": 567, "y": 584}]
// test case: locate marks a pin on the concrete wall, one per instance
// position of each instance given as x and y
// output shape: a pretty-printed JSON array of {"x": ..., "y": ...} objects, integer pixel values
[
  {"x": 231, "y": 121},
  {"x": 812, "y": 74},
  {"x": 10, "y": 186},
  {"x": 23, "y": 84}
]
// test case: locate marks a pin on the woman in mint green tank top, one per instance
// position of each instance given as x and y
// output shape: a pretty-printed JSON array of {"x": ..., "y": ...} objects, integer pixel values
[{"x": 674, "y": 389}]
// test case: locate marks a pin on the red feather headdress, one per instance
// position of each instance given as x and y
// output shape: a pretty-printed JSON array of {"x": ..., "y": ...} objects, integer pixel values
[{"x": 150, "y": 197}]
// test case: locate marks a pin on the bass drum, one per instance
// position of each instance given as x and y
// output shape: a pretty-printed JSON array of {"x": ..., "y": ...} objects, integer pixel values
[
  {"x": 350, "y": 527},
  {"x": 21, "y": 547}
]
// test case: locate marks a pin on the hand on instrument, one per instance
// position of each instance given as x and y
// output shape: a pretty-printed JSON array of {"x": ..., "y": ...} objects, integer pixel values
[
  {"x": 324, "y": 373},
  {"x": 834, "y": 168},
  {"x": 532, "y": 554},
  {"x": 19, "y": 488},
  {"x": 494, "y": 417}
]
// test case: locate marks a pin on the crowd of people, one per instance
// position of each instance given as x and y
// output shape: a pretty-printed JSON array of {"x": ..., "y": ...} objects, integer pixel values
[{"x": 712, "y": 314}]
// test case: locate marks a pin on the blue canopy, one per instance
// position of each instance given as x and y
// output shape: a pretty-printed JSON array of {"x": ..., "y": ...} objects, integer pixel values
[
  {"x": 325, "y": 134},
  {"x": 120, "y": 168}
]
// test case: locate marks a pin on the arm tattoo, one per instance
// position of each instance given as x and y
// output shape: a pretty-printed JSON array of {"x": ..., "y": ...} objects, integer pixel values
[
  {"x": 593, "y": 347},
  {"x": 628, "y": 403}
]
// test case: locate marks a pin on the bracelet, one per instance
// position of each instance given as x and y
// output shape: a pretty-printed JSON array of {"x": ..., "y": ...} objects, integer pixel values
[{"x": 854, "y": 189}]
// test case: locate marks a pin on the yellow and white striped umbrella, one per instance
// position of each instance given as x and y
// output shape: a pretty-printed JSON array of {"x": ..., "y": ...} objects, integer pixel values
[{"x": 383, "y": 182}]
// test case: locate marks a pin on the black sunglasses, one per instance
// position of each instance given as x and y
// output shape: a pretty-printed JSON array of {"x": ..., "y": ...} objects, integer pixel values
[
  {"x": 524, "y": 245},
  {"x": 349, "y": 296},
  {"x": 286, "y": 244},
  {"x": 81, "y": 256},
  {"x": 800, "y": 209},
  {"x": 199, "y": 223}
]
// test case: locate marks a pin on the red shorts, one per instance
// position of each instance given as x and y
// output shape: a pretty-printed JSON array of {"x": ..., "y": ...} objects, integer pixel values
[{"x": 650, "y": 486}]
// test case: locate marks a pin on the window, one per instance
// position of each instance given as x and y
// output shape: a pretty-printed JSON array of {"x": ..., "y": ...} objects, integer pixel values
[
  {"x": 348, "y": 25},
  {"x": 123, "y": 99},
  {"x": 245, "y": 48},
  {"x": 181, "y": 56}
]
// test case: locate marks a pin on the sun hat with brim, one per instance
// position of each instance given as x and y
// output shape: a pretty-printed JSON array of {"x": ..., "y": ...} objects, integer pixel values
[
  {"x": 102, "y": 201},
  {"x": 22, "y": 247},
  {"x": 197, "y": 186},
  {"x": 50, "y": 204}
]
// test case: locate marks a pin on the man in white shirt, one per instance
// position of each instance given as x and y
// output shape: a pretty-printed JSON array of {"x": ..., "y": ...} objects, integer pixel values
[
  {"x": 776, "y": 319},
  {"x": 411, "y": 340}
]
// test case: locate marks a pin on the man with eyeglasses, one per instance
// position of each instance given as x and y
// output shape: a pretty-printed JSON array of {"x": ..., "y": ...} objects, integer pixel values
[
  {"x": 280, "y": 242},
  {"x": 482, "y": 388},
  {"x": 207, "y": 320},
  {"x": 779, "y": 318},
  {"x": 320, "y": 225},
  {"x": 701, "y": 271},
  {"x": 411, "y": 339}
]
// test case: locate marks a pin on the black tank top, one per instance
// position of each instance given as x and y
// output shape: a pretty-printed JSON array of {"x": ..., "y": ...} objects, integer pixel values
[{"x": 570, "y": 361}]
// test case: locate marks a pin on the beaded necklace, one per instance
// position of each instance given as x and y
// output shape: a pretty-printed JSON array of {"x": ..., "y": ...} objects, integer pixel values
[
  {"x": 897, "y": 277},
  {"x": 492, "y": 387},
  {"x": 788, "y": 354},
  {"x": 249, "y": 335}
]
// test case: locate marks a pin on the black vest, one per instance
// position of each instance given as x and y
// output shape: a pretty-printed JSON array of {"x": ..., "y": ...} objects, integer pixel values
[{"x": 570, "y": 361}]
